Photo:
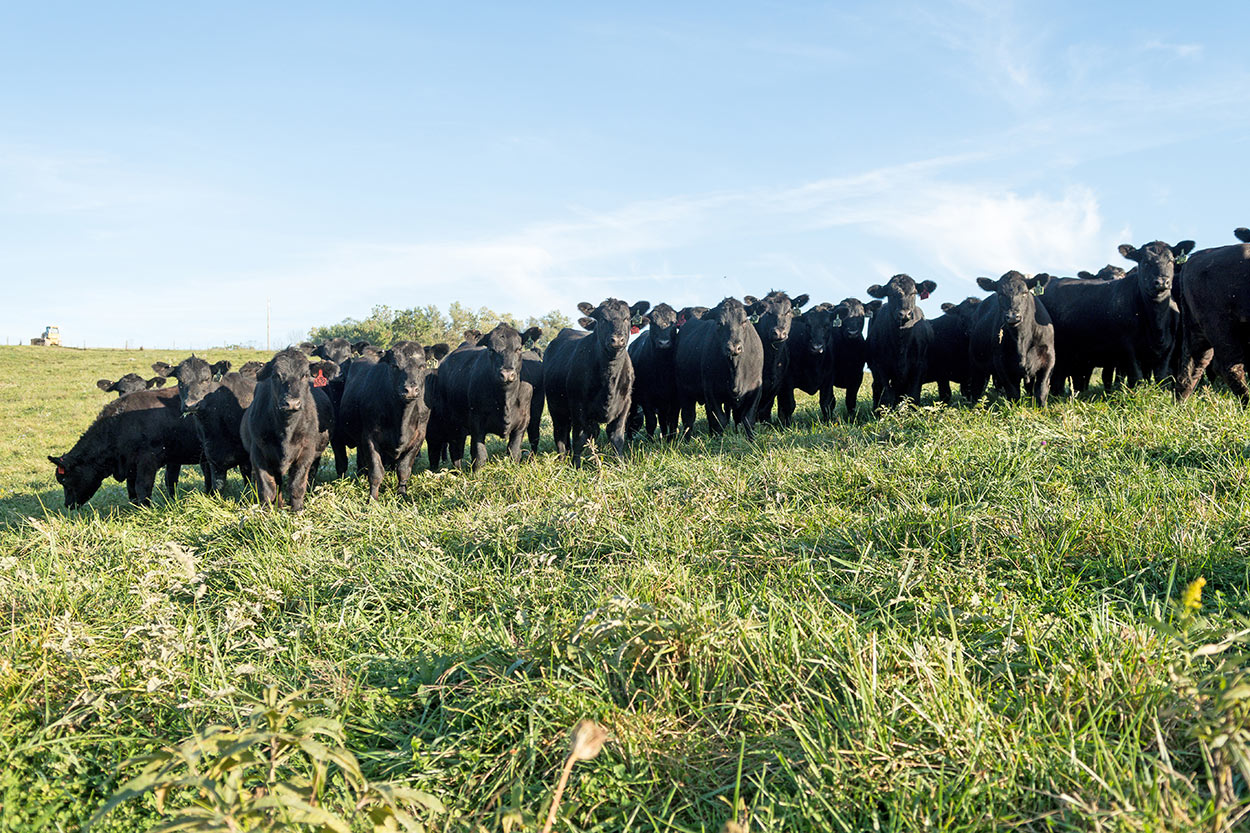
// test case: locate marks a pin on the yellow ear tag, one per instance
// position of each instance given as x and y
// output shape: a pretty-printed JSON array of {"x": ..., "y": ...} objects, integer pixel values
[{"x": 1000, "y": 335}]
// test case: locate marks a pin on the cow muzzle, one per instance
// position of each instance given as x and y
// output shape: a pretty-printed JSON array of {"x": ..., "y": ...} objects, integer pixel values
[
  {"x": 292, "y": 405},
  {"x": 507, "y": 375}
]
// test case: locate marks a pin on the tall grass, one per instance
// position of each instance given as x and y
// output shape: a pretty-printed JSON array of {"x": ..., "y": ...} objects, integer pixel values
[{"x": 956, "y": 619}]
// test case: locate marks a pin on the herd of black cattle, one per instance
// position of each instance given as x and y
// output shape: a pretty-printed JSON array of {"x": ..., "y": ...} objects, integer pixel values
[{"x": 1165, "y": 319}]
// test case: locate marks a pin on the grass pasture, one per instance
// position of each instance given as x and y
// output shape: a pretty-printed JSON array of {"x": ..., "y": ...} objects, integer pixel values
[{"x": 945, "y": 619}]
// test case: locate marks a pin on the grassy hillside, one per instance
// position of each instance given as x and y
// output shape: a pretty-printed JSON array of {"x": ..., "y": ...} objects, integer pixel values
[{"x": 945, "y": 619}]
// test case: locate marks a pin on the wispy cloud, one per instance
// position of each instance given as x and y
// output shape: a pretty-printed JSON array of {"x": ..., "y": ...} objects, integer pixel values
[{"x": 1177, "y": 50}]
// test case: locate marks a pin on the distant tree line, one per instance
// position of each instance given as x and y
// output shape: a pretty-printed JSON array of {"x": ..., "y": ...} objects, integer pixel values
[{"x": 428, "y": 325}]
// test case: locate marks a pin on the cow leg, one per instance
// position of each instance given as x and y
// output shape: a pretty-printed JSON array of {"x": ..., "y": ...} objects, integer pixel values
[
  {"x": 650, "y": 418},
  {"x": 340, "y": 457},
  {"x": 764, "y": 413},
  {"x": 977, "y": 382},
  {"x": 514, "y": 443},
  {"x": 828, "y": 402},
  {"x": 744, "y": 415},
  {"x": 145, "y": 481},
  {"x": 716, "y": 419},
  {"x": 171, "y": 478},
  {"x": 477, "y": 450},
  {"x": 944, "y": 391},
  {"x": 1041, "y": 387},
  {"x": 851, "y": 399},
  {"x": 131, "y": 492},
  {"x": 403, "y": 470},
  {"x": 373, "y": 459},
  {"x": 878, "y": 390},
  {"x": 266, "y": 486},
  {"x": 299, "y": 476},
  {"x": 1232, "y": 364},
  {"x": 616, "y": 432},
  {"x": 786, "y": 405}
]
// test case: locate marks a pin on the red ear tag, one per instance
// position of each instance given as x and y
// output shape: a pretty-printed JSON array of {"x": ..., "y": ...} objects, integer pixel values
[
  {"x": 924, "y": 296},
  {"x": 633, "y": 331},
  {"x": 320, "y": 380},
  {"x": 60, "y": 469},
  {"x": 681, "y": 321}
]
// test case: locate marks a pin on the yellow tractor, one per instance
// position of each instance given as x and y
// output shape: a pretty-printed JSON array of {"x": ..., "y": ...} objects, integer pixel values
[{"x": 51, "y": 337}]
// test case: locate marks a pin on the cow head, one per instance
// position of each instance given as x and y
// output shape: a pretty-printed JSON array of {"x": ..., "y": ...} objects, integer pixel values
[
  {"x": 1242, "y": 234},
  {"x": 529, "y": 338},
  {"x": 1156, "y": 266},
  {"x": 773, "y": 314},
  {"x": 820, "y": 322},
  {"x": 1106, "y": 273},
  {"x": 663, "y": 326},
  {"x": 196, "y": 379},
  {"x": 79, "y": 480},
  {"x": 436, "y": 352},
  {"x": 405, "y": 360},
  {"x": 732, "y": 322},
  {"x": 251, "y": 368},
  {"x": 503, "y": 349},
  {"x": 611, "y": 322},
  {"x": 900, "y": 294},
  {"x": 471, "y": 338},
  {"x": 130, "y": 383},
  {"x": 337, "y": 350},
  {"x": 851, "y": 314},
  {"x": 689, "y": 314},
  {"x": 289, "y": 376},
  {"x": 963, "y": 313},
  {"x": 1015, "y": 296}
]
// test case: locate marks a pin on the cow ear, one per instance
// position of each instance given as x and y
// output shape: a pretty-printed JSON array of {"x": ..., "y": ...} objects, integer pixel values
[
  {"x": 639, "y": 307},
  {"x": 799, "y": 301},
  {"x": 749, "y": 301},
  {"x": 156, "y": 382},
  {"x": 1086, "y": 276},
  {"x": 586, "y": 323},
  {"x": 1129, "y": 252},
  {"x": 1040, "y": 279},
  {"x": 1242, "y": 234},
  {"x": 947, "y": 307},
  {"x": 265, "y": 372},
  {"x": 440, "y": 350},
  {"x": 987, "y": 284},
  {"x": 162, "y": 369},
  {"x": 871, "y": 308},
  {"x": 877, "y": 291},
  {"x": 324, "y": 369},
  {"x": 104, "y": 385},
  {"x": 645, "y": 321},
  {"x": 926, "y": 288},
  {"x": 585, "y": 308},
  {"x": 221, "y": 368},
  {"x": 531, "y": 335},
  {"x": 388, "y": 358},
  {"x": 358, "y": 347},
  {"x": 307, "y": 348},
  {"x": 1182, "y": 248}
]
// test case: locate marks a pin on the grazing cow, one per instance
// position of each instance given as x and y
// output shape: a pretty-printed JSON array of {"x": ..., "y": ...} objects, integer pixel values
[
  {"x": 810, "y": 367},
  {"x": 1012, "y": 339},
  {"x": 898, "y": 341},
  {"x": 215, "y": 399},
  {"x": 948, "y": 354},
  {"x": 1128, "y": 324},
  {"x": 132, "y": 438},
  {"x": 386, "y": 410},
  {"x": 720, "y": 362},
  {"x": 130, "y": 383},
  {"x": 588, "y": 376},
  {"x": 772, "y": 316},
  {"x": 1216, "y": 312},
  {"x": 287, "y": 427},
  {"x": 480, "y": 391},
  {"x": 653, "y": 355}
]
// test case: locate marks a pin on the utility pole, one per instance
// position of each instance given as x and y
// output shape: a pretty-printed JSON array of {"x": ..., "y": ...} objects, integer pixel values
[{"x": 266, "y": 324}]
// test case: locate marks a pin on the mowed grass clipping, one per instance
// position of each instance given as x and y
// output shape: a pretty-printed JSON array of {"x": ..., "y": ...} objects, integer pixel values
[{"x": 945, "y": 619}]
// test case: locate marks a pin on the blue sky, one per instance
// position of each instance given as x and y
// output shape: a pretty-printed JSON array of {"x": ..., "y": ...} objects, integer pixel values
[{"x": 166, "y": 168}]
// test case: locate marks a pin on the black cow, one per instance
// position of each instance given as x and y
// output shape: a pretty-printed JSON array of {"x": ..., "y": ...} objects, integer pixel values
[
  {"x": 532, "y": 372},
  {"x": 772, "y": 315},
  {"x": 480, "y": 391},
  {"x": 1012, "y": 339},
  {"x": 1215, "y": 313},
  {"x": 1107, "y": 273},
  {"x": 287, "y": 427},
  {"x": 948, "y": 354},
  {"x": 251, "y": 369},
  {"x": 810, "y": 367},
  {"x": 130, "y": 383},
  {"x": 588, "y": 376},
  {"x": 132, "y": 438},
  {"x": 898, "y": 341},
  {"x": 385, "y": 412},
  {"x": 720, "y": 362},
  {"x": 850, "y": 348},
  {"x": 215, "y": 399},
  {"x": 653, "y": 355},
  {"x": 1128, "y": 324}
]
